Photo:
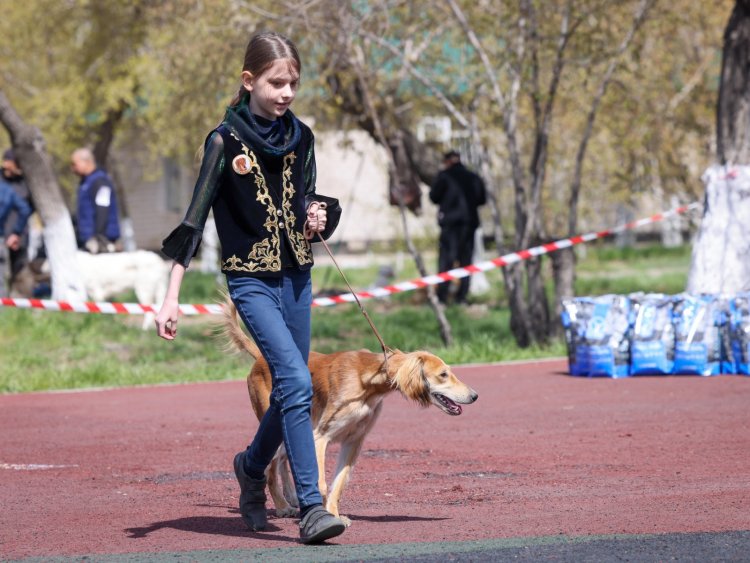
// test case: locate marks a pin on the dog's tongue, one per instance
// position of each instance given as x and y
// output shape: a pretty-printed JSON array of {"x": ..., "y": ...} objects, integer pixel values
[{"x": 454, "y": 408}]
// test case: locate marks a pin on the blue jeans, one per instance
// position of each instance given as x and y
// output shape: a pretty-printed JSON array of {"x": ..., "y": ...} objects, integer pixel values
[{"x": 276, "y": 312}]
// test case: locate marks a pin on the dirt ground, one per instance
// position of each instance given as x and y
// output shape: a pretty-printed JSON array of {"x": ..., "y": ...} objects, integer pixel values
[{"x": 147, "y": 471}]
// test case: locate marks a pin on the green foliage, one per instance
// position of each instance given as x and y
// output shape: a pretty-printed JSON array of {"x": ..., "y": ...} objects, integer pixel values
[{"x": 69, "y": 66}]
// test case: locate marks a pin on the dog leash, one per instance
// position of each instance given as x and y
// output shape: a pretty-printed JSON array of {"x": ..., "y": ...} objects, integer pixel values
[{"x": 309, "y": 235}]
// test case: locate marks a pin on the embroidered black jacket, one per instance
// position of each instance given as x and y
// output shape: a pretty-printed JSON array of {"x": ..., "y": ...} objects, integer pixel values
[{"x": 259, "y": 191}]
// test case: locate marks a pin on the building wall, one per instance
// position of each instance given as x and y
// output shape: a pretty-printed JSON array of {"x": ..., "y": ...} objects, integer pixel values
[{"x": 354, "y": 169}]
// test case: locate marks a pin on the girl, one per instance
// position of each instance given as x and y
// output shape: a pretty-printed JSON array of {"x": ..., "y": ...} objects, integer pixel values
[{"x": 258, "y": 175}]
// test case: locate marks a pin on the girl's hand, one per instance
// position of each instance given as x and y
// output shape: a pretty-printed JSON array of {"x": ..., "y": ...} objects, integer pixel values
[
  {"x": 13, "y": 241},
  {"x": 166, "y": 319},
  {"x": 316, "y": 217}
]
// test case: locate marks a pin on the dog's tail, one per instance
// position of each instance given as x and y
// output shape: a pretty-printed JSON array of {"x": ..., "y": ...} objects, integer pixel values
[{"x": 233, "y": 331}]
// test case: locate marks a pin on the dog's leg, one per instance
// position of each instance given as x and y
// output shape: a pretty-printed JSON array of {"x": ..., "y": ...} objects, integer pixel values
[
  {"x": 285, "y": 473},
  {"x": 277, "y": 466},
  {"x": 321, "y": 444},
  {"x": 346, "y": 460},
  {"x": 148, "y": 321}
]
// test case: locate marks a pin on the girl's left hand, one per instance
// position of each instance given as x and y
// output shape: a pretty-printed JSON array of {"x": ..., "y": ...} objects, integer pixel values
[{"x": 316, "y": 217}]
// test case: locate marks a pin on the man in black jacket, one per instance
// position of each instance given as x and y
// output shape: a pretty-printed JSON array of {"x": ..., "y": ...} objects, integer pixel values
[{"x": 458, "y": 192}]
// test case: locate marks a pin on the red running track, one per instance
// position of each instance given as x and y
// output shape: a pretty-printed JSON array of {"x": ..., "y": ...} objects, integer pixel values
[{"x": 148, "y": 470}]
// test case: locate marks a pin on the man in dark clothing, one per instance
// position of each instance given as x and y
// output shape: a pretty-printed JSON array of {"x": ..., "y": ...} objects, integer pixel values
[
  {"x": 97, "y": 218},
  {"x": 14, "y": 215},
  {"x": 458, "y": 192},
  {"x": 17, "y": 241}
]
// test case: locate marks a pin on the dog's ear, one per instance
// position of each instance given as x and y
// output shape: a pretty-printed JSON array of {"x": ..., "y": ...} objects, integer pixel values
[{"x": 410, "y": 381}]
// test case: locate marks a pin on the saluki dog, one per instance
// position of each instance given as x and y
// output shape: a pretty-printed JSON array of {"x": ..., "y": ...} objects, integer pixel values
[{"x": 348, "y": 392}]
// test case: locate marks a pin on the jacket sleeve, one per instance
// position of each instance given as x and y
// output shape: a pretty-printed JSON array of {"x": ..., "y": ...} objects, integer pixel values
[
  {"x": 481, "y": 192},
  {"x": 333, "y": 207},
  {"x": 183, "y": 243},
  {"x": 23, "y": 209},
  {"x": 437, "y": 191},
  {"x": 310, "y": 170}
]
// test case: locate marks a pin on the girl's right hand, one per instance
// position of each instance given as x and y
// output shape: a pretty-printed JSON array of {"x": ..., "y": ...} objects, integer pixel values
[{"x": 166, "y": 319}]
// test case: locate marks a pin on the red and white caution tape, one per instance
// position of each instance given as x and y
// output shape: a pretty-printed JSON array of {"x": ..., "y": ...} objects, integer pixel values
[
  {"x": 105, "y": 307},
  {"x": 513, "y": 257},
  {"x": 450, "y": 275}
]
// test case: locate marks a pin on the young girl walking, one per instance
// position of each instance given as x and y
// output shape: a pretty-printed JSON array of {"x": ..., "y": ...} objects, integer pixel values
[{"x": 258, "y": 176}]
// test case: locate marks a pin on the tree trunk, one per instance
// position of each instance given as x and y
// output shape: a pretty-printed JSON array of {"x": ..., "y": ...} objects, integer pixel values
[
  {"x": 404, "y": 188},
  {"x": 520, "y": 322},
  {"x": 105, "y": 135},
  {"x": 733, "y": 108},
  {"x": 564, "y": 276},
  {"x": 541, "y": 323},
  {"x": 721, "y": 254},
  {"x": 59, "y": 237}
]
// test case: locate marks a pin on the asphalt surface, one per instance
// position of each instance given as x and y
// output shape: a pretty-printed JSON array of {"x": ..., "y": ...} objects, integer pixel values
[{"x": 544, "y": 467}]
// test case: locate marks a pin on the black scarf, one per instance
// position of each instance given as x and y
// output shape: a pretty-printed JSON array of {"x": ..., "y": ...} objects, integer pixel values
[{"x": 274, "y": 138}]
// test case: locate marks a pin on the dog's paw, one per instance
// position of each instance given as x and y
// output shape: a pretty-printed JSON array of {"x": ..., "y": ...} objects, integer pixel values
[
  {"x": 345, "y": 520},
  {"x": 287, "y": 512}
]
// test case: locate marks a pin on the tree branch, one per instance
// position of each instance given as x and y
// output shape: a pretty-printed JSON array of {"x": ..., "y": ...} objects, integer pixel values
[
  {"x": 416, "y": 73},
  {"x": 575, "y": 188},
  {"x": 508, "y": 107}
]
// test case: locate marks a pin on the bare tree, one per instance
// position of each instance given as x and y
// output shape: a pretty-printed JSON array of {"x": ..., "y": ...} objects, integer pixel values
[
  {"x": 59, "y": 236},
  {"x": 357, "y": 58},
  {"x": 563, "y": 261}
]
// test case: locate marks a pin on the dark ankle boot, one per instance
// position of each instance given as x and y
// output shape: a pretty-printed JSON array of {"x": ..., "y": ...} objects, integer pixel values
[
  {"x": 319, "y": 525},
  {"x": 252, "y": 496}
]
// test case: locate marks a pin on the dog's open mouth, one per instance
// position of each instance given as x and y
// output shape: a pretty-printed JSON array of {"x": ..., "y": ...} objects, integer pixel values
[{"x": 447, "y": 405}]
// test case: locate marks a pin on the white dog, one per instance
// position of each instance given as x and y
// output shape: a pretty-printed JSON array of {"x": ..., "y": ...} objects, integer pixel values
[{"x": 108, "y": 274}]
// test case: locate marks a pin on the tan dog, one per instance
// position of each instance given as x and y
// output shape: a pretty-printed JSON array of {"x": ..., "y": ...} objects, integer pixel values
[{"x": 348, "y": 393}]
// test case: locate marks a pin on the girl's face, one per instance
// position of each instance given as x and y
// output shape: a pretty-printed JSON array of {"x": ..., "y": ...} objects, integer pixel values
[{"x": 274, "y": 90}]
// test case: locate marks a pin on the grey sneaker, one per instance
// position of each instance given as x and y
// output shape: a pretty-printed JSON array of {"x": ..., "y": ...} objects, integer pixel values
[
  {"x": 252, "y": 496},
  {"x": 319, "y": 525}
]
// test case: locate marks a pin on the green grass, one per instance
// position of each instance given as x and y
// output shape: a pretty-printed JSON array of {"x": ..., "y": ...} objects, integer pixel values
[
  {"x": 607, "y": 269},
  {"x": 49, "y": 350}
]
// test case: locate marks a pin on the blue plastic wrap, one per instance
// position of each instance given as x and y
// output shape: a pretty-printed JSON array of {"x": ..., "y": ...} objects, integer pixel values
[
  {"x": 598, "y": 335},
  {"x": 739, "y": 330},
  {"x": 697, "y": 321},
  {"x": 573, "y": 328},
  {"x": 652, "y": 348}
]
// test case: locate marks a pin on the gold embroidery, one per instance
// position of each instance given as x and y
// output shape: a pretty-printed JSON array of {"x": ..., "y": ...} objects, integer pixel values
[
  {"x": 300, "y": 244},
  {"x": 266, "y": 255}
]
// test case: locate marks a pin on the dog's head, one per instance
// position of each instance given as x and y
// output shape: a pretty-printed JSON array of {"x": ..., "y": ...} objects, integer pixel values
[{"x": 426, "y": 379}]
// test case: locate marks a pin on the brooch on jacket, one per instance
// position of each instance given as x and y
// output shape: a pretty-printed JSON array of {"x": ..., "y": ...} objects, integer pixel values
[{"x": 241, "y": 164}]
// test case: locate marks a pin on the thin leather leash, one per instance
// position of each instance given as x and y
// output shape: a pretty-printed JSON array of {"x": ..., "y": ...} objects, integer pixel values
[{"x": 309, "y": 235}]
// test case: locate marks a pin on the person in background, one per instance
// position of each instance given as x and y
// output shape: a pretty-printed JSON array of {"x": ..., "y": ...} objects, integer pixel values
[
  {"x": 18, "y": 255},
  {"x": 97, "y": 216},
  {"x": 11, "y": 203},
  {"x": 459, "y": 193}
]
